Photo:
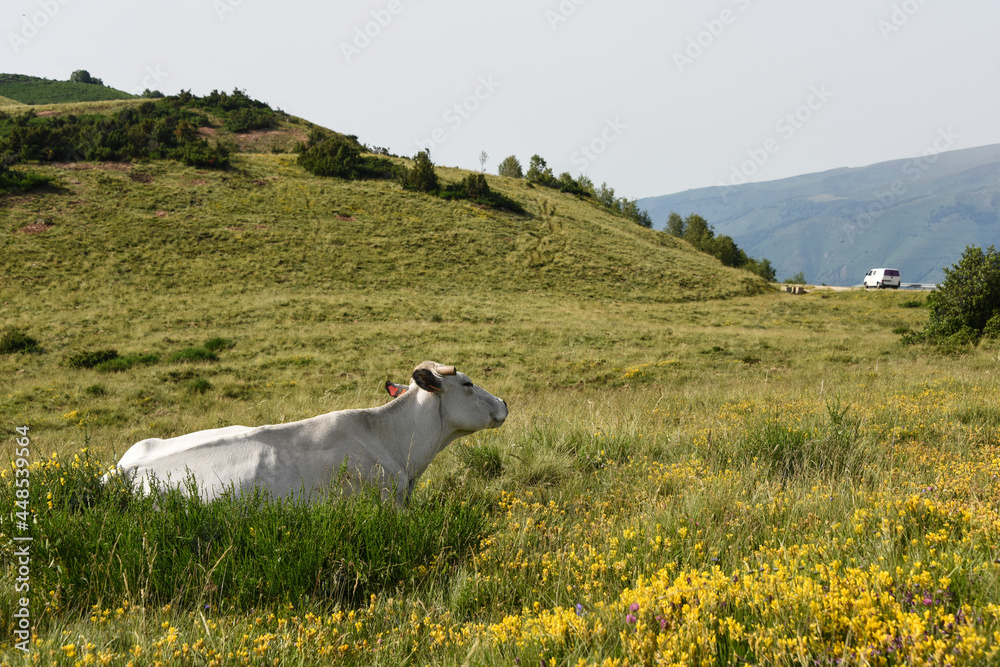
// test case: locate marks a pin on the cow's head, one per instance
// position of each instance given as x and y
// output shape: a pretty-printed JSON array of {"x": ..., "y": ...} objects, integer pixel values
[{"x": 465, "y": 408}]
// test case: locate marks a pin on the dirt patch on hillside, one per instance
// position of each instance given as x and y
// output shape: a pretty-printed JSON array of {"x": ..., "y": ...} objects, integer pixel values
[
  {"x": 264, "y": 141},
  {"x": 259, "y": 141},
  {"x": 36, "y": 227}
]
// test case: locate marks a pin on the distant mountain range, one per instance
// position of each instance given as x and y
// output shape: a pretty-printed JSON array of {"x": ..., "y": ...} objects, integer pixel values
[{"x": 916, "y": 214}]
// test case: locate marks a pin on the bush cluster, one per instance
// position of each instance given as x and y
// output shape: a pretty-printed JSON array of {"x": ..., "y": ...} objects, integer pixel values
[
  {"x": 473, "y": 187},
  {"x": 328, "y": 154},
  {"x": 539, "y": 173},
  {"x": 152, "y": 130},
  {"x": 240, "y": 113},
  {"x": 695, "y": 230},
  {"x": 110, "y": 361}
]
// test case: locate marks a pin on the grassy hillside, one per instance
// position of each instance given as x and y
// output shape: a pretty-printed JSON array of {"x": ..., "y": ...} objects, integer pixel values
[
  {"x": 34, "y": 90},
  {"x": 125, "y": 229},
  {"x": 694, "y": 470}
]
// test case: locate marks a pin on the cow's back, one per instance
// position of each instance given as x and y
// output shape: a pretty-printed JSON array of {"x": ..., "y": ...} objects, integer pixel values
[
  {"x": 216, "y": 458},
  {"x": 152, "y": 449}
]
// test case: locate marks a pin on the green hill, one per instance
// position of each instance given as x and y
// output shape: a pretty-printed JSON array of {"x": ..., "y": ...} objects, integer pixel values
[
  {"x": 113, "y": 227},
  {"x": 34, "y": 90},
  {"x": 267, "y": 222}
]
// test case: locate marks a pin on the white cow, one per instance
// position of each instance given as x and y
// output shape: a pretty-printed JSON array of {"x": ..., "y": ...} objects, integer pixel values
[{"x": 388, "y": 447}]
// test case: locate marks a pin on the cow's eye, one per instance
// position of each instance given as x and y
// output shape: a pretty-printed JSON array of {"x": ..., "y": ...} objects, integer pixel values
[{"x": 466, "y": 384}]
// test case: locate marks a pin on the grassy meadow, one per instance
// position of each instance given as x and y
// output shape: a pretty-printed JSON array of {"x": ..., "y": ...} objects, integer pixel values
[{"x": 696, "y": 470}]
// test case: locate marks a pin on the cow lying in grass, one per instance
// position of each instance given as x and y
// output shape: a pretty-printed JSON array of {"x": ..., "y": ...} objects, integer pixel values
[{"x": 387, "y": 447}]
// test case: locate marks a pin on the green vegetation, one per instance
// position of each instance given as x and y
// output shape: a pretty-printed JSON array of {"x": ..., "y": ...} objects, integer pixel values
[
  {"x": 334, "y": 155},
  {"x": 17, "y": 180},
  {"x": 83, "y": 76},
  {"x": 422, "y": 176},
  {"x": 540, "y": 173},
  {"x": 473, "y": 188},
  {"x": 510, "y": 167},
  {"x": 91, "y": 359},
  {"x": 236, "y": 553},
  {"x": 268, "y": 222},
  {"x": 34, "y": 90},
  {"x": 695, "y": 230},
  {"x": 151, "y": 130},
  {"x": 966, "y": 305},
  {"x": 798, "y": 279},
  {"x": 14, "y": 340}
]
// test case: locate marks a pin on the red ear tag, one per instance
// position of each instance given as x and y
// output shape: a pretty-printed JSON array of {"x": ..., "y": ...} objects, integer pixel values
[{"x": 395, "y": 389}]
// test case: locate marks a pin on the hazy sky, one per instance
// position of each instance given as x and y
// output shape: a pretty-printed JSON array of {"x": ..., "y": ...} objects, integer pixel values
[{"x": 651, "y": 97}]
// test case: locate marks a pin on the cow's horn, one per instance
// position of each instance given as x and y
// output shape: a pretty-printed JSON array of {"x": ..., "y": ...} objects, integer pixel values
[{"x": 446, "y": 370}]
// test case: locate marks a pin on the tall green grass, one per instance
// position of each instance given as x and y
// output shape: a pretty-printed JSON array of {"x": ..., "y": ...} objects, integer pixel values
[{"x": 109, "y": 545}]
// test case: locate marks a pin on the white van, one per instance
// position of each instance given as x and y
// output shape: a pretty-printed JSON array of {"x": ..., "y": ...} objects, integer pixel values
[{"x": 879, "y": 278}]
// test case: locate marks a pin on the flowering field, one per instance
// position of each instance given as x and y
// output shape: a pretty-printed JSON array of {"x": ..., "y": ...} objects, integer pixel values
[{"x": 771, "y": 480}]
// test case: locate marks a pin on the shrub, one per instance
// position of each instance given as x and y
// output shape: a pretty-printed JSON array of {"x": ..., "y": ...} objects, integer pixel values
[
  {"x": 91, "y": 359},
  {"x": 116, "y": 365},
  {"x": 198, "y": 385},
  {"x": 199, "y": 154},
  {"x": 966, "y": 301},
  {"x": 121, "y": 364},
  {"x": 475, "y": 189},
  {"x": 326, "y": 154},
  {"x": 83, "y": 76},
  {"x": 162, "y": 129},
  {"x": 247, "y": 120},
  {"x": 218, "y": 344},
  {"x": 20, "y": 181},
  {"x": 15, "y": 340}
]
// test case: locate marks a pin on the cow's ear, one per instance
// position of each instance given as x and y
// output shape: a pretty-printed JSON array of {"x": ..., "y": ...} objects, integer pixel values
[
  {"x": 395, "y": 389},
  {"x": 427, "y": 380}
]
